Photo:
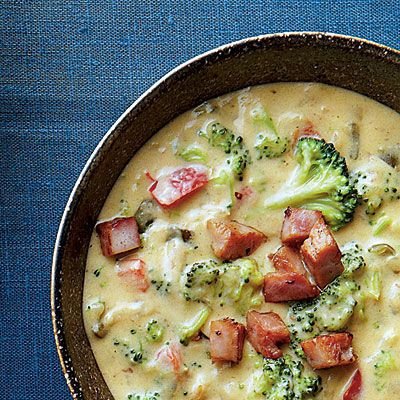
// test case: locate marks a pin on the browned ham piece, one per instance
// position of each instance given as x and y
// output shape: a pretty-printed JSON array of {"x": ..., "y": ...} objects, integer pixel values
[
  {"x": 118, "y": 236},
  {"x": 297, "y": 225},
  {"x": 328, "y": 351},
  {"x": 287, "y": 259},
  {"x": 231, "y": 240},
  {"x": 226, "y": 340},
  {"x": 287, "y": 286},
  {"x": 321, "y": 254},
  {"x": 265, "y": 332}
]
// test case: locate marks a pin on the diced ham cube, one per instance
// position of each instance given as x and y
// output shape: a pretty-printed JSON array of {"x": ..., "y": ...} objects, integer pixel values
[
  {"x": 287, "y": 286},
  {"x": 170, "y": 189},
  {"x": 287, "y": 259},
  {"x": 231, "y": 240},
  {"x": 297, "y": 225},
  {"x": 118, "y": 236},
  {"x": 170, "y": 359},
  {"x": 265, "y": 331},
  {"x": 326, "y": 351},
  {"x": 354, "y": 386},
  {"x": 321, "y": 254},
  {"x": 133, "y": 271},
  {"x": 226, "y": 340}
]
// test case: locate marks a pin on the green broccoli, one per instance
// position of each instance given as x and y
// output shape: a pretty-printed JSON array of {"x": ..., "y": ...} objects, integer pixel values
[
  {"x": 135, "y": 355},
  {"x": 219, "y": 136},
  {"x": 144, "y": 396},
  {"x": 268, "y": 143},
  {"x": 375, "y": 182},
  {"x": 197, "y": 277},
  {"x": 236, "y": 282},
  {"x": 192, "y": 327},
  {"x": 380, "y": 224},
  {"x": 224, "y": 177},
  {"x": 285, "y": 379},
  {"x": 319, "y": 182},
  {"x": 154, "y": 331},
  {"x": 373, "y": 285},
  {"x": 384, "y": 362},
  {"x": 193, "y": 153},
  {"x": 332, "y": 309}
]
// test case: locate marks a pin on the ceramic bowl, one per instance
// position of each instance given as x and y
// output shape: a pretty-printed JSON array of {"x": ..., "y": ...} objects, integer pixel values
[{"x": 362, "y": 66}]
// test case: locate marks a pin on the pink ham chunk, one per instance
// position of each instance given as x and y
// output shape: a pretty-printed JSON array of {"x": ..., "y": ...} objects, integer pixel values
[
  {"x": 297, "y": 225},
  {"x": 287, "y": 286},
  {"x": 133, "y": 272},
  {"x": 354, "y": 386},
  {"x": 328, "y": 351},
  {"x": 170, "y": 189},
  {"x": 265, "y": 332},
  {"x": 169, "y": 358},
  {"x": 226, "y": 340},
  {"x": 118, "y": 236},
  {"x": 231, "y": 240},
  {"x": 287, "y": 259},
  {"x": 321, "y": 254}
]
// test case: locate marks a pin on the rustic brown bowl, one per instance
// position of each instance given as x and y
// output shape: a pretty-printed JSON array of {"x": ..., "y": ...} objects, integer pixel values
[{"x": 364, "y": 67}]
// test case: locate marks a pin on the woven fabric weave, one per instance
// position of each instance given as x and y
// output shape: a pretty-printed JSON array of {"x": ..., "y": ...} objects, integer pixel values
[{"x": 68, "y": 70}]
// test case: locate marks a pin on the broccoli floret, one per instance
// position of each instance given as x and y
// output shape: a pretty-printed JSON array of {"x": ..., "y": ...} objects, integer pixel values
[
  {"x": 268, "y": 143},
  {"x": 144, "y": 396},
  {"x": 197, "y": 277},
  {"x": 285, "y": 379},
  {"x": 320, "y": 181},
  {"x": 384, "y": 362},
  {"x": 332, "y": 309},
  {"x": 192, "y": 327},
  {"x": 135, "y": 355},
  {"x": 154, "y": 331},
  {"x": 376, "y": 182},
  {"x": 219, "y": 136},
  {"x": 235, "y": 282}
]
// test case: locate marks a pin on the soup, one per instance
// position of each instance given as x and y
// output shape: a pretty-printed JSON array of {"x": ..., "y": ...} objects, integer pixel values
[{"x": 267, "y": 265}]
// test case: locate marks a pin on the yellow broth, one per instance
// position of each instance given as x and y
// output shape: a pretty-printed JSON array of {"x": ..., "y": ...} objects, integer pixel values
[{"x": 334, "y": 113}]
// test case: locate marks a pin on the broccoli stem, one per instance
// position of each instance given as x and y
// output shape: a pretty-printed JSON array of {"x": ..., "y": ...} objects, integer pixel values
[
  {"x": 374, "y": 285},
  {"x": 190, "y": 328},
  {"x": 381, "y": 224}
]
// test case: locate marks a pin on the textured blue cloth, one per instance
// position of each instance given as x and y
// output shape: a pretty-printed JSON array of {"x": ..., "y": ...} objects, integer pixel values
[{"x": 68, "y": 70}]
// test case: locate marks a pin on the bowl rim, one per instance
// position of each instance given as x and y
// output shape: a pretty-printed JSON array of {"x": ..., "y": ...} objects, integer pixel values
[{"x": 340, "y": 40}]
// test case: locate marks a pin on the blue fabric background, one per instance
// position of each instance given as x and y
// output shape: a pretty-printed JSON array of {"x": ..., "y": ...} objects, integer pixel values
[{"x": 68, "y": 70}]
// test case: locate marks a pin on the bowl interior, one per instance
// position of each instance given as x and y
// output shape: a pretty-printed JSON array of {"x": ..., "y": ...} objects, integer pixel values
[{"x": 350, "y": 63}]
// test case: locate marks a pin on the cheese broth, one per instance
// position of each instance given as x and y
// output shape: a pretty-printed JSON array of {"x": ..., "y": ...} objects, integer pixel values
[{"x": 334, "y": 113}]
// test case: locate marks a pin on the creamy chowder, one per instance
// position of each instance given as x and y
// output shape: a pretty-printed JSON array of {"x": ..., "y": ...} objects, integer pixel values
[{"x": 151, "y": 329}]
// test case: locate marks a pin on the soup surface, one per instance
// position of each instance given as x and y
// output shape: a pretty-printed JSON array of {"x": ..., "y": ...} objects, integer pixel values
[{"x": 148, "y": 316}]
